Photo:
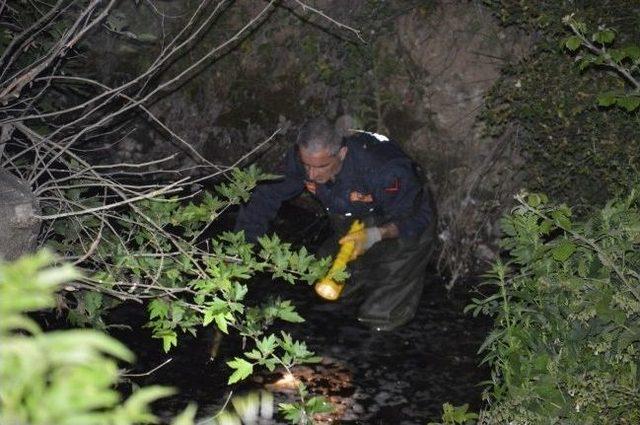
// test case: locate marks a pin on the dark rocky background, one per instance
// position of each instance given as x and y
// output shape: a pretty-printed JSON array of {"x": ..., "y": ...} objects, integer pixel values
[
  {"x": 419, "y": 74},
  {"x": 481, "y": 93}
]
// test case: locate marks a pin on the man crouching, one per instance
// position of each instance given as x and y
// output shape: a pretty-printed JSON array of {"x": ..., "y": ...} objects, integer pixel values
[{"x": 363, "y": 176}]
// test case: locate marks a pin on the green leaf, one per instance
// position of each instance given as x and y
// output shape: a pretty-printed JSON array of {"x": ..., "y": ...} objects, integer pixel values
[
  {"x": 177, "y": 313},
  {"x": 173, "y": 275},
  {"x": 573, "y": 43},
  {"x": 239, "y": 291},
  {"x": 562, "y": 219},
  {"x": 318, "y": 404},
  {"x": 92, "y": 302},
  {"x": 137, "y": 405},
  {"x": 563, "y": 250},
  {"x": 533, "y": 199},
  {"x": 271, "y": 364},
  {"x": 22, "y": 323},
  {"x": 457, "y": 414},
  {"x": 158, "y": 309},
  {"x": 630, "y": 103},
  {"x": 242, "y": 370},
  {"x": 57, "y": 275},
  {"x": 267, "y": 344},
  {"x": 606, "y": 99},
  {"x": 187, "y": 417},
  {"x": 169, "y": 339},
  {"x": 291, "y": 412},
  {"x": 208, "y": 317},
  {"x": 632, "y": 52},
  {"x": 221, "y": 322},
  {"x": 604, "y": 37},
  {"x": 254, "y": 355},
  {"x": 290, "y": 316},
  {"x": 617, "y": 55},
  {"x": 81, "y": 344},
  {"x": 312, "y": 359}
]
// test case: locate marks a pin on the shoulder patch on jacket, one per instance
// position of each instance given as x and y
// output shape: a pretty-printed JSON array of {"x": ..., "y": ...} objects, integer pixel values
[{"x": 356, "y": 196}]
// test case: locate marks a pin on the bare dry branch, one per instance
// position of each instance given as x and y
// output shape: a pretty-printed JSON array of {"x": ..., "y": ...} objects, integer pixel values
[{"x": 306, "y": 7}]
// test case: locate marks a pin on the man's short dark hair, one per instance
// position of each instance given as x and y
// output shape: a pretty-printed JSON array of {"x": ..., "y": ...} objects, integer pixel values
[{"x": 319, "y": 134}]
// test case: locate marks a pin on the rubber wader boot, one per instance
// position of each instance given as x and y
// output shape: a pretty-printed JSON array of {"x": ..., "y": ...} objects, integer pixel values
[
  {"x": 389, "y": 277},
  {"x": 394, "y": 271}
]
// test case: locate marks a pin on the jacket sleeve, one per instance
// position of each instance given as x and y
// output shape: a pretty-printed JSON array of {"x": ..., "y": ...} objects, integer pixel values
[
  {"x": 402, "y": 199},
  {"x": 254, "y": 216}
]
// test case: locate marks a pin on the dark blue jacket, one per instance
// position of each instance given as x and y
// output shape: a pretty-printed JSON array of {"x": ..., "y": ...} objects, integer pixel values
[{"x": 376, "y": 178}]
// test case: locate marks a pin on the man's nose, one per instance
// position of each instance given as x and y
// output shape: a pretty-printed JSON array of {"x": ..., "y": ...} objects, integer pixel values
[{"x": 312, "y": 172}]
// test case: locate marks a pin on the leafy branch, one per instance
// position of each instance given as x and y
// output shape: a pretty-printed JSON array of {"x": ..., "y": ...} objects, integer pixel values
[
  {"x": 567, "y": 315},
  {"x": 625, "y": 61},
  {"x": 61, "y": 376},
  {"x": 135, "y": 229}
]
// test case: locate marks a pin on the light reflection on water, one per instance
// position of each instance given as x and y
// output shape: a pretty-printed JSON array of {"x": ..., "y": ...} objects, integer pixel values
[{"x": 251, "y": 408}]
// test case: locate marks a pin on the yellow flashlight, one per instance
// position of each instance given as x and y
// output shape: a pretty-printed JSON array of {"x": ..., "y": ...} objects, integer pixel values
[{"x": 327, "y": 287}]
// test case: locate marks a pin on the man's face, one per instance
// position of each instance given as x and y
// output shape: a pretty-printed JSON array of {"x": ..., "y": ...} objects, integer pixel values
[{"x": 321, "y": 165}]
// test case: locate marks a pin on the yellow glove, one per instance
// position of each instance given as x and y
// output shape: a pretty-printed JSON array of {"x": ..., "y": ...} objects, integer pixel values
[{"x": 362, "y": 240}]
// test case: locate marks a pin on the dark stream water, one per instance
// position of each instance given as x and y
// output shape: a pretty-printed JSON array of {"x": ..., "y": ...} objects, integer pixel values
[{"x": 398, "y": 377}]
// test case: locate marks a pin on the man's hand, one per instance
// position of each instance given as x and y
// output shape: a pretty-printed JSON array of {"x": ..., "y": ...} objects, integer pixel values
[{"x": 362, "y": 240}]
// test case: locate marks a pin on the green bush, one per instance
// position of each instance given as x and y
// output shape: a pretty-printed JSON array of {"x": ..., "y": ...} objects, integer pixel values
[
  {"x": 565, "y": 346},
  {"x": 186, "y": 286},
  {"x": 62, "y": 377}
]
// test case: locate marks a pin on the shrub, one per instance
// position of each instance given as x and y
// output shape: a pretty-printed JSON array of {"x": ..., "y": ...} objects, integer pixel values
[
  {"x": 565, "y": 346},
  {"x": 60, "y": 377}
]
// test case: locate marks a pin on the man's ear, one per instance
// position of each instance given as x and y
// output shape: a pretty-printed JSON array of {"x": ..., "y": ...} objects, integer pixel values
[{"x": 342, "y": 153}]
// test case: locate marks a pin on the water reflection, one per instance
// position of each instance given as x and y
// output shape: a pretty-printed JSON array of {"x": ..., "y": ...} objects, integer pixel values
[{"x": 251, "y": 408}]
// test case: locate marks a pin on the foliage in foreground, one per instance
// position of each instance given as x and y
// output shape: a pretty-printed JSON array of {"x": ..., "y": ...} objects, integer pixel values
[
  {"x": 119, "y": 220},
  {"x": 60, "y": 377},
  {"x": 190, "y": 286},
  {"x": 565, "y": 347},
  {"x": 456, "y": 415},
  {"x": 70, "y": 376}
]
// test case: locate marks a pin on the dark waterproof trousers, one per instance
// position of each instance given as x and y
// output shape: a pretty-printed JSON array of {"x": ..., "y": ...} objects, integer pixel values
[{"x": 388, "y": 279}]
